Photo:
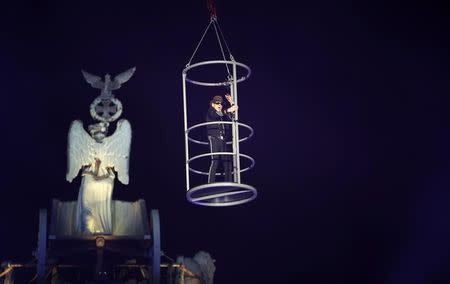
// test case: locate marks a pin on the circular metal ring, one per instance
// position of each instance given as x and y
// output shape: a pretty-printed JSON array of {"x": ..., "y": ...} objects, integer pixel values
[
  {"x": 221, "y": 122},
  {"x": 220, "y": 194},
  {"x": 212, "y": 84},
  {"x": 220, "y": 153}
]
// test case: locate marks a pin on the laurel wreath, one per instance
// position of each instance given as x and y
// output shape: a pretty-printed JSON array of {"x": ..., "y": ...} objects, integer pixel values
[{"x": 113, "y": 117}]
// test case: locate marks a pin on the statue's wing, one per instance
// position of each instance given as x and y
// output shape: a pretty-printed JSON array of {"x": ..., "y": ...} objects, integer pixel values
[
  {"x": 116, "y": 150},
  {"x": 80, "y": 149},
  {"x": 122, "y": 78},
  {"x": 94, "y": 80}
]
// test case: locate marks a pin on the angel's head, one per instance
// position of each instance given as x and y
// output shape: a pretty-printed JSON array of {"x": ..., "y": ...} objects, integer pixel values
[{"x": 99, "y": 130}]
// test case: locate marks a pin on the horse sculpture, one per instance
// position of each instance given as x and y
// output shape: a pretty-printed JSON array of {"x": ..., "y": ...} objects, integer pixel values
[{"x": 200, "y": 269}]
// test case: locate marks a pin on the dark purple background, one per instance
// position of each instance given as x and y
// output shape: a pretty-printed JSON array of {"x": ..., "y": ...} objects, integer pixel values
[{"x": 349, "y": 102}]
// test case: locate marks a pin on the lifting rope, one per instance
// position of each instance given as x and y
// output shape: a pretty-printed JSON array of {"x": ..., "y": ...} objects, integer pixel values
[
  {"x": 198, "y": 45},
  {"x": 218, "y": 31}
]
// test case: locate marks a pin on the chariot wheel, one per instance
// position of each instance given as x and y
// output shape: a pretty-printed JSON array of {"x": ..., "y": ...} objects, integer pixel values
[{"x": 156, "y": 247}]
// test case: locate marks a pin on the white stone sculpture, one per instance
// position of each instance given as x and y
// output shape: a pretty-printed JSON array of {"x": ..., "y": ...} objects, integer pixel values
[{"x": 99, "y": 156}]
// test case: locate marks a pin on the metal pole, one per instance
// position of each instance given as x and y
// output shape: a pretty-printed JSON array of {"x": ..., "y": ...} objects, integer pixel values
[
  {"x": 186, "y": 141},
  {"x": 233, "y": 134},
  {"x": 237, "y": 166}
]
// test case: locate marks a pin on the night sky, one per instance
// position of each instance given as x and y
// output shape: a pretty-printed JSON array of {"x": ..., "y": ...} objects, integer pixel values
[{"x": 349, "y": 102}]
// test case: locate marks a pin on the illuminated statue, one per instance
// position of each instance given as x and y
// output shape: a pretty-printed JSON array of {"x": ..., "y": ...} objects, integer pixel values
[{"x": 99, "y": 156}]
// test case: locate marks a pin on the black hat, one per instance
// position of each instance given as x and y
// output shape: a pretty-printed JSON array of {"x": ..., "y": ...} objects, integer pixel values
[{"x": 217, "y": 99}]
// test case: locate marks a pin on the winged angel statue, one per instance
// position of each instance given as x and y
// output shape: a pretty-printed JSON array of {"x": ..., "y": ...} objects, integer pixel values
[{"x": 98, "y": 156}]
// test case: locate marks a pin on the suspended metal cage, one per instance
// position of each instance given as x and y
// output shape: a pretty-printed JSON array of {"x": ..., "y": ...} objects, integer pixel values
[{"x": 226, "y": 193}]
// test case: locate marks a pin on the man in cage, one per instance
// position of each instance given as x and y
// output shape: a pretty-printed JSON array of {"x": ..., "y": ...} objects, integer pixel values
[{"x": 218, "y": 134}]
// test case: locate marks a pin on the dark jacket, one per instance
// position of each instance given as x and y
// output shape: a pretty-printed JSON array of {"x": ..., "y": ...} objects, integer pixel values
[{"x": 217, "y": 130}]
